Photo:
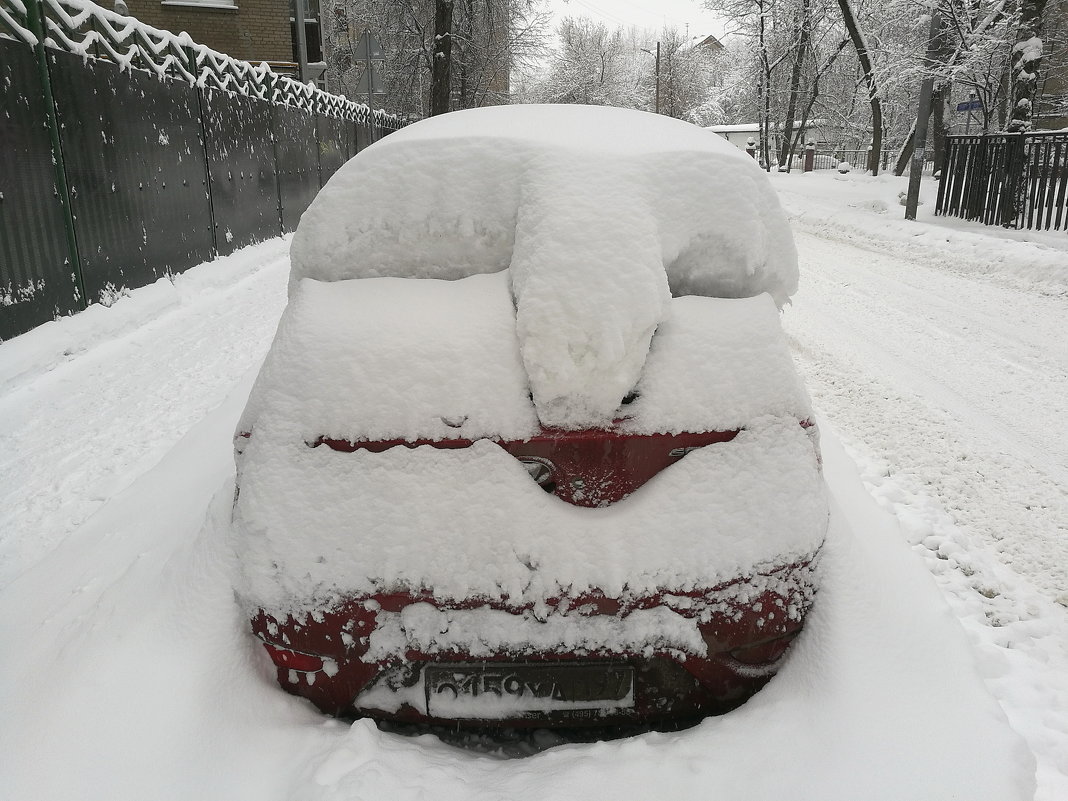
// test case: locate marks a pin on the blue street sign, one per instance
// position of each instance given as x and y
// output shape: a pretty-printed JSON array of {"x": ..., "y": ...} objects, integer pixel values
[{"x": 970, "y": 105}]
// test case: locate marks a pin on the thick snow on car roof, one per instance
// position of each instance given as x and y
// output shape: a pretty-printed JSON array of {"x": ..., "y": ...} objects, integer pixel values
[{"x": 600, "y": 214}]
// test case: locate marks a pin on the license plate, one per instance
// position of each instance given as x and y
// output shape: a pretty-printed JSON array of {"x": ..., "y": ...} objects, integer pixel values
[{"x": 495, "y": 691}]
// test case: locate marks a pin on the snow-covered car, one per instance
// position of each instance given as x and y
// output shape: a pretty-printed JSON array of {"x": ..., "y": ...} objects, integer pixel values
[{"x": 529, "y": 448}]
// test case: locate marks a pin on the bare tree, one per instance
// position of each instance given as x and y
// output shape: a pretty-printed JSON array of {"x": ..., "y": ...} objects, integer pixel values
[
  {"x": 795, "y": 81},
  {"x": 686, "y": 72},
  {"x": 590, "y": 67},
  {"x": 486, "y": 39},
  {"x": 756, "y": 20},
  {"x": 596, "y": 65},
  {"x": 814, "y": 95},
  {"x": 860, "y": 44}
]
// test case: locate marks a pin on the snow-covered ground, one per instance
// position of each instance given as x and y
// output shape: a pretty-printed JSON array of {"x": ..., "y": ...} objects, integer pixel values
[
  {"x": 937, "y": 352},
  {"x": 937, "y": 359}
]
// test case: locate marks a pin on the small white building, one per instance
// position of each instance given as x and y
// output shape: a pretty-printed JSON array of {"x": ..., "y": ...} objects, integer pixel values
[
  {"x": 818, "y": 131},
  {"x": 737, "y": 135}
]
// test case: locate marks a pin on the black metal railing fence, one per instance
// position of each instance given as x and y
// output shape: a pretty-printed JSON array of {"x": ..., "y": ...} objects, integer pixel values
[
  {"x": 128, "y": 154},
  {"x": 831, "y": 158},
  {"x": 1012, "y": 180}
]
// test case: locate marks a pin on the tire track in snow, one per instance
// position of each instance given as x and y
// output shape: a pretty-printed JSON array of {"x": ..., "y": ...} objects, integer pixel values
[
  {"x": 955, "y": 382},
  {"x": 80, "y": 433}
]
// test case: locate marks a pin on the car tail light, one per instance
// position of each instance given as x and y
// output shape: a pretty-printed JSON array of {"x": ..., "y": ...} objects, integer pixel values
[
  {"x": 294, "y": 660},
  {"x": 765, "y": 653}
]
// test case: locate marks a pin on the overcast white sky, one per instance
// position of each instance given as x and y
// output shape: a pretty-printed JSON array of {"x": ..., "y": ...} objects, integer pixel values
[{"x": 643, "y": 14}]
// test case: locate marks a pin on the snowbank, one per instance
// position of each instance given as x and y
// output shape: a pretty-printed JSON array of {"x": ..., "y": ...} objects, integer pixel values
[
  {"x": 601, "y": 214},
  {"x": 36, "y": 352},
  {"x": 865, "y": 211}
]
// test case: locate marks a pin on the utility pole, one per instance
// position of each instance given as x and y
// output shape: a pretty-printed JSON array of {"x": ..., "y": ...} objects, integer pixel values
[
  {"x": 919, "y": 141},
  {"x": 657, "y": 54},
  {"x": 658, "y": 77},
  {"x": 370, "y": 79},
  {"x": 302, "y": 40}
]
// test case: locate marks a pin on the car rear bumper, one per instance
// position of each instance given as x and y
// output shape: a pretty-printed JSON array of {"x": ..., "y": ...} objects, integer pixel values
[{"x": 599, "y": 661}]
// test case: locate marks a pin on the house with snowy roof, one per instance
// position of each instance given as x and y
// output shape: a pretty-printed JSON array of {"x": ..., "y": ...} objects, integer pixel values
[{"x": 820, "y": 131}]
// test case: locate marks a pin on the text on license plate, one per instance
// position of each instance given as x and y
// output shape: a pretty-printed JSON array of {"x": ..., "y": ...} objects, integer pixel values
[{"x": 495, "y": 691}]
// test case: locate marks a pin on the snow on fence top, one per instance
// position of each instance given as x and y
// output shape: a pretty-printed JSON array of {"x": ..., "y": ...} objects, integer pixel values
[{"x": 91, "y": 31}]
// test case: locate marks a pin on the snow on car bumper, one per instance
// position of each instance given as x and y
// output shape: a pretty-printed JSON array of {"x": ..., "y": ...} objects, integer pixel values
[{"x": 588, "y": 660}]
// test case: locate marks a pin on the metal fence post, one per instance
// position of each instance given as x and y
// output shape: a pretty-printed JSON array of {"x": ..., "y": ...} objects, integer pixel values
[
  {"x": 35, "y": 18},
  {"x": 191, "y": 63},
  {"x": 208, "y": 190},
  {"x": 273, "y": 126},
  {"x": 1015, "y": 182}
]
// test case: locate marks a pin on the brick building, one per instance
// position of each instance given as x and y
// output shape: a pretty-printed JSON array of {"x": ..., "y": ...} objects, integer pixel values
[{"x": 250, "y": 30}]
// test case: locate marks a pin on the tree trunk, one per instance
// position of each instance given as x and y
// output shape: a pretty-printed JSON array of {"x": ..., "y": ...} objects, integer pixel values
[
  {"x": 905, "y": 153},
  {"x": 869, "y": 77},
  {"x": 1026, "y": 59},
  {"x": 814, "y": 95},
  {"x": 1003, "y": 98},
  {"x": 940, "y": 130},
  {"x": 765, "y": 110},
  {"x": 464, "y": 36},
  {"x": 938, "y": 124},
  {"x": 441, "y": 66},
  {"x": 795, "y": 87}
]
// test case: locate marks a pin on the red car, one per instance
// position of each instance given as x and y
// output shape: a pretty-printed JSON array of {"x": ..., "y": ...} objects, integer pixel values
[{"x": 427, "y": 533}]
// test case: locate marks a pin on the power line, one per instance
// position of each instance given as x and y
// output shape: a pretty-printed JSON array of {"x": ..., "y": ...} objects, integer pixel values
[
  {"x": 651, "y": 14},
  {"x": 591, "y": 7}
]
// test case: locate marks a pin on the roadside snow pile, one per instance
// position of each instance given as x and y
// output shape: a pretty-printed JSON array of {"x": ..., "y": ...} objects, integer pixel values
[
  {"x": 54, "y": 343},
  {"x": 392, "y": 359},
  {"x": 601, "y": 214},
  {"x": 840, "y": 208}
]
